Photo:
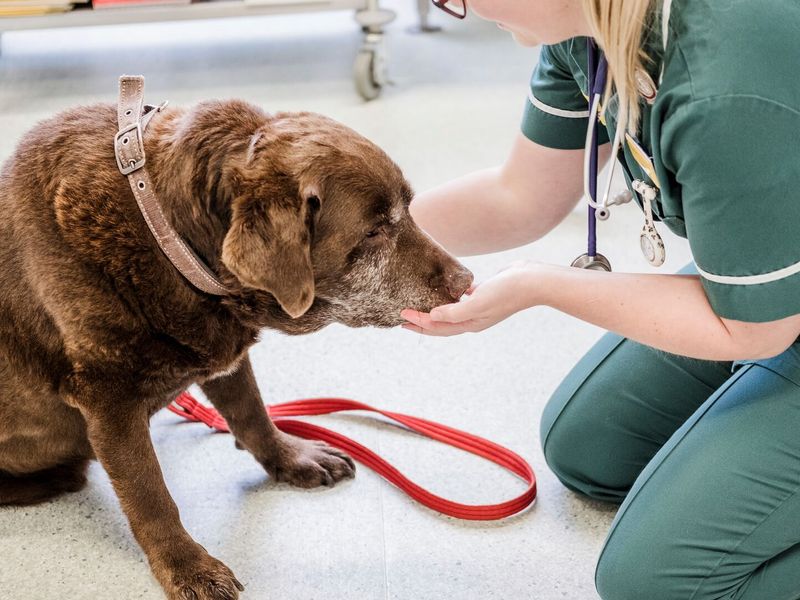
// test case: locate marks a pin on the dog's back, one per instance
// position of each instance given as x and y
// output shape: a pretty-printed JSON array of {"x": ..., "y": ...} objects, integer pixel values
[{"x": 32, "y": 353}]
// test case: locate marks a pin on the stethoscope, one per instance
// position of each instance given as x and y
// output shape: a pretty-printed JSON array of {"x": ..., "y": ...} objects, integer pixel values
[{"x": 651, "y": 243}]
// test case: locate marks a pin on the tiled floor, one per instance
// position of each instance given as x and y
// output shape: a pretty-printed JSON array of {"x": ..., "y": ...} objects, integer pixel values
[{"x": 455, "y": 107}]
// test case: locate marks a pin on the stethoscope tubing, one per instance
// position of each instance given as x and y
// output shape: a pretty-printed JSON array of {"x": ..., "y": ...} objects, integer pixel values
[
  {"x": 590, "y": 173},
  {"x": 597, "y": 78},
  {"x": 651, "y": 242}
]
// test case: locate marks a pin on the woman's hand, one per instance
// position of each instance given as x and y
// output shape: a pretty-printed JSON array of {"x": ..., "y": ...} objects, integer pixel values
[
  {"x": 486, "y": 304},
  {"x": 669, "y": 312}
]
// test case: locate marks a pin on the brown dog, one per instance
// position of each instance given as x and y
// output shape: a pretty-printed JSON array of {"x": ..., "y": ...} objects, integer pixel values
[{"x": 297, "y": 214}]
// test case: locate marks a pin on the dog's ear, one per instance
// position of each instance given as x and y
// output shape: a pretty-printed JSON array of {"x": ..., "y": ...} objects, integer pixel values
[{"x": 268, "y": 245}]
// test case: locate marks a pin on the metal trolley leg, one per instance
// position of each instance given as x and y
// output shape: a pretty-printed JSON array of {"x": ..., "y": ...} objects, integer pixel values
[
  {"x": 424, "y": 10},
  {"x": 370, "y": 67}
]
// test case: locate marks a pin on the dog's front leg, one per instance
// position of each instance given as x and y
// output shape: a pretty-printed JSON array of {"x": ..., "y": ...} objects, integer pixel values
[
  {"x": 285, "y": 457},
  {"x": 119, "y": 434}
]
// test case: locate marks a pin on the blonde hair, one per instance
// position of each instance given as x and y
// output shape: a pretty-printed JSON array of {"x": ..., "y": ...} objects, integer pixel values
[{"x": 620, "y": 28}]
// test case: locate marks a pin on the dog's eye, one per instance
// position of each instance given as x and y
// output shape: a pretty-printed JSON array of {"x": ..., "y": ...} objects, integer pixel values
[
  {"x": 378, "y": 235},
  {"x": 378, "y": 232}
]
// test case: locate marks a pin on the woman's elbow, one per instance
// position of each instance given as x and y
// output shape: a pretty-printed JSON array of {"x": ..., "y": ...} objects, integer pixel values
[{"x": 762, "y": 341}]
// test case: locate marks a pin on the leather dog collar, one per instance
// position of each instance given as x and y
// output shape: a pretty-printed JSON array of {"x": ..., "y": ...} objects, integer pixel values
[{"x": 133, "y": 117}]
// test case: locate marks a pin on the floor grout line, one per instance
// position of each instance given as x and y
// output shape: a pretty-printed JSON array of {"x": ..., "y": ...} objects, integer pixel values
[{"x": 383, "y": 525}]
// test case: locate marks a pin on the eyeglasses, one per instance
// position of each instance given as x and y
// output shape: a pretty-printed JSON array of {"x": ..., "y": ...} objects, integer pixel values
[{"x": 456, "y": 8}]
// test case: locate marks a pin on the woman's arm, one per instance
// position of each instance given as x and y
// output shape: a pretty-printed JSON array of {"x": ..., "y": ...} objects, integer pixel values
[
  {"x": 504, "y": 207},
  {"x": 668, "y": 312}
]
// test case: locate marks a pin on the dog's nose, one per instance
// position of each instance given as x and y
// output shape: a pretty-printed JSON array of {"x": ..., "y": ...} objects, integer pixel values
[{"x": 458, "y": 281}]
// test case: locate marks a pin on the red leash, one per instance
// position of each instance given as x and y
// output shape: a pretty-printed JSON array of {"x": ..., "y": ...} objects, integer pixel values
[{"x": 189, "y": 408}]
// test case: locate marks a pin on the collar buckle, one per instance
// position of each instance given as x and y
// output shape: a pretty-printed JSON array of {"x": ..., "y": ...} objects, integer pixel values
[{"x": 129, "y": 148}]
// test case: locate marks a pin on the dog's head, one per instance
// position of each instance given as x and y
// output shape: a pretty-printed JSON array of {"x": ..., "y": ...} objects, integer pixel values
[{"x": 320, "y": 221}]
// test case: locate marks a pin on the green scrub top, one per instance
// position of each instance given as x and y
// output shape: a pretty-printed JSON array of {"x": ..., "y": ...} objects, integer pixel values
[{"x": 724, "y": 137}]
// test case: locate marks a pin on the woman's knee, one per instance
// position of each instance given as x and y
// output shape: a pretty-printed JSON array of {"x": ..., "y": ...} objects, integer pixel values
[
  {"x": 578, "y": 444},
  {"x": 577, "y": 456},
  {"x": 640, "y": 561},
  {"x": 607, "y": 420},
  {"x": 627, "y": 571},
  {"x": 560, "y": 412}
]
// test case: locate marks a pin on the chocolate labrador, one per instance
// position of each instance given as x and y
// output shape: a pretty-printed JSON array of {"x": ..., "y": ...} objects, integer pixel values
[{"x": 303, "y": 220}]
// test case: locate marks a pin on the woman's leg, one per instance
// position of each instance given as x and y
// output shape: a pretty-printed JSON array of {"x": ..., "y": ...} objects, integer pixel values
[
  {"x": 616, "y": 409},
  {"x": 716, "y": 514}
]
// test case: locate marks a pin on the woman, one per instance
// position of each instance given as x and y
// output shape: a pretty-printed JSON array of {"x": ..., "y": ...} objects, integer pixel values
[{"x": 689, "y": 412}]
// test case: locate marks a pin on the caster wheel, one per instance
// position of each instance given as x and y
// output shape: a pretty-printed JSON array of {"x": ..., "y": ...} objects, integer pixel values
[{"x": 368, "y": 78}]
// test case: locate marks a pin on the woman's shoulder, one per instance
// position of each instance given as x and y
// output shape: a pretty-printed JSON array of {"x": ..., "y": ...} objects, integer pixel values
[{"x": 738, "y": 48}]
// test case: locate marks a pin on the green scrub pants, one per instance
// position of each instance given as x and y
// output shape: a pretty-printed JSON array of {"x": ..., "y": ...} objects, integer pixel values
[{"x": 705, "y": 459}]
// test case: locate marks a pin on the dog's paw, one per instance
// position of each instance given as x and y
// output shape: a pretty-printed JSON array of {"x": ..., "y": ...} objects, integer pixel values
[
  {"x": 309, "y": 464},
  {"x": 199, "y": 578}
]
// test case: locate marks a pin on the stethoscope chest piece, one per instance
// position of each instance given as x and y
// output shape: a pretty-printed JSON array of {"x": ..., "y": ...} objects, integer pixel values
[{"x": 598, "y": 262}]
